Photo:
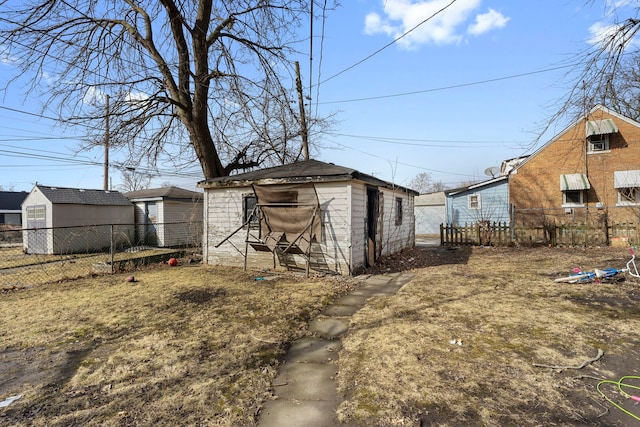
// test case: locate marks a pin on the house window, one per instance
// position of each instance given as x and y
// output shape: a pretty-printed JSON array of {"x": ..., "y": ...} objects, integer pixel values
[
  {"x": 627, "y": 183},
  {"x": 573, "y": 198},
  {"x": 473, "y": 202},
  {"x": 598, "y": 143},
  {"x": 398, "y": 211},
  {"x": 629, "y": 196},
  {"x": 249, "y": 213}
]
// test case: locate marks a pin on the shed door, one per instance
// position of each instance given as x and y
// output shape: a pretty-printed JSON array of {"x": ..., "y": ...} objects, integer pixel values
[
  {"x": 150, "y": 221},
  {"x": 37, "y": 233},
  {"x": 373, "y": 208}
]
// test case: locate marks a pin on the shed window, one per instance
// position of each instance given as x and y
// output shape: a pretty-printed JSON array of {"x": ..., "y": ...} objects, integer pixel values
[
  {"x": 473, "y": 202},
  {"x": 249, "y": 213},
  {"x": 398, "y": 210},
  {"x": 35, "y": 213}
]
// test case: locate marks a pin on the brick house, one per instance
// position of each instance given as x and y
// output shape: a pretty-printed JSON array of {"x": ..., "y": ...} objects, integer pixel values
[{"x": 589, "y": 173}]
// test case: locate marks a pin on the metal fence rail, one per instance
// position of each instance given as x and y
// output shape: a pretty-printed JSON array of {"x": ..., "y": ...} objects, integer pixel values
[{"x": 45, "y": 255}]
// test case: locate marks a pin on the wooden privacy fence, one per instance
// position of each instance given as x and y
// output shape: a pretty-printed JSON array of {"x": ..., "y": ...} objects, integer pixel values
[{"x": 570, "y": 234}]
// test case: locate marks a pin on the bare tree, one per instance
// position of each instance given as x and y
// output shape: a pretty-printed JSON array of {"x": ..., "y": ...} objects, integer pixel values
[
  {"x": 134, "y": 181},
  {"x": 180, "y": 74},
  {"x": 608, "y": 72},
  {"x": 424, "y": 183}
]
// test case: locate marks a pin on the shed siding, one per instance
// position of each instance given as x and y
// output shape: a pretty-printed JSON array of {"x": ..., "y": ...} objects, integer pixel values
[
  {"x": 397, "y": 237},
  {"x": 140, "y": 220},
  {"x": 68, "y": 215},
  {"x": 181, "y": 223},
  {"x": 224, "y": 212},
  {"x": 36, "y": 198},
  {"x": 343, "y": 243},
  {"x": 87, "y": 228},
  {"x": 336, "y": 224},
  {"x": 358, "y": 196},
  {"x": 429, "y": 218},
  {"x": 224, "y": 216}
]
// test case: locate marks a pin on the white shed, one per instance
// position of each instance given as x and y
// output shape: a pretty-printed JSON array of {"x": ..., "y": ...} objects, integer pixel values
[
  {"x": 307, "y": 214},
  {"x": 167, "y": 216},
  {"x": 431, "y": 211},
  {"x": 59, "y": 220}
]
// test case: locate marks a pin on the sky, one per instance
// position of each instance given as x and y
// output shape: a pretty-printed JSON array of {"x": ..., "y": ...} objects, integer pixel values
[{"x": 450, "y": 95}]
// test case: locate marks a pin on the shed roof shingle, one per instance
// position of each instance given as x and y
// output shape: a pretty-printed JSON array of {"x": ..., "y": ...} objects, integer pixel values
[
  {"x": 174, "y": 193},
  {"x": 12, "y": 200},
  {"x": 79, "y": 196},
  {"x": 303, "y": 171}
]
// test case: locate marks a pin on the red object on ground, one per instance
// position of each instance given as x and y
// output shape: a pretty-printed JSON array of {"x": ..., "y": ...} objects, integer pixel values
[{"x": 172, "y": 262}]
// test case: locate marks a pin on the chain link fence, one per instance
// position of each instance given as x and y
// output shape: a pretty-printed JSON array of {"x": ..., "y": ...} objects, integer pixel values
[{"x": 38, "y": 256}]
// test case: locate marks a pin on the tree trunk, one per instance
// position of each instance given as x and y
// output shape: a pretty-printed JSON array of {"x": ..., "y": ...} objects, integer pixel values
[{"x": 205, "y": 149}]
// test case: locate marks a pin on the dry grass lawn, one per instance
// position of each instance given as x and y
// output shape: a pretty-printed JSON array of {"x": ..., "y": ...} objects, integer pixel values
[
  {"x": 18, "y": 269},
  {"x": 199, "y": 346},
  {"x": 456, "y": 346},
  {"x": 181, "y": 346}
]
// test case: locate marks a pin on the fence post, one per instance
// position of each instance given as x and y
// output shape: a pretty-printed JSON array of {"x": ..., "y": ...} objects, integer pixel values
[{"x": 112, "y": 249}]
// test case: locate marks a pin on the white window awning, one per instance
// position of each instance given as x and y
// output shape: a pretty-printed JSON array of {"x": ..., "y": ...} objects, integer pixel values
[
  {"x": 574, "y": 181},
  {"x": 626, "y": 179},
  {"x": 601, "y": 127}
]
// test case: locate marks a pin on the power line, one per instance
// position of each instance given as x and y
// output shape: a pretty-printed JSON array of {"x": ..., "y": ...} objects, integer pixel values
[
  {"x": 479, "y": 82},
  {"x": 426, "y": 142},
  {"x": 368, "y": 153}
]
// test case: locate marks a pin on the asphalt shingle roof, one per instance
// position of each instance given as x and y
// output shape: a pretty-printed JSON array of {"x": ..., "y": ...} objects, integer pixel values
[
  {"x": 79, "y": 196},
  {"x": 12, "y": 200},
  {"x": 304, "y": 171},
  {"x": 174, "y": 193}
]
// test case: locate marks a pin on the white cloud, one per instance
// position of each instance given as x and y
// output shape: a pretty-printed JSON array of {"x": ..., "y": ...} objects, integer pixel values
[
  {"x": 606, "y": 35},
  {"x": 136, "y": 96},
  {"x": 486, "y": 22},
  {"x": 6, "y": 57},
  {"x": 401, "y": 16},
  {"x": 94, "y": 96}
]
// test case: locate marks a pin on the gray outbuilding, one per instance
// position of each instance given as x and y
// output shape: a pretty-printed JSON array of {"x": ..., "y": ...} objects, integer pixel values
[
  {"x": 60, "y": 220},
  {"x": 167, "y": 216},
  {"x": 431, "y": 212}
]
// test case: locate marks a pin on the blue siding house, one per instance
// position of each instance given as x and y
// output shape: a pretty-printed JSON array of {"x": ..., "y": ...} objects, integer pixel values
[{"x": 485, "y": 201}]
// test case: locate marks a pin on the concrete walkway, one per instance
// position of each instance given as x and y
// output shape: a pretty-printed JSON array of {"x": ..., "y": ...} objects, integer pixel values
[{"x": 305, "y": 387}]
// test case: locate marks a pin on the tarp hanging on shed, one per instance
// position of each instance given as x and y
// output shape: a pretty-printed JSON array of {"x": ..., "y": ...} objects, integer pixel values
[{"x": 290, "y": 208}]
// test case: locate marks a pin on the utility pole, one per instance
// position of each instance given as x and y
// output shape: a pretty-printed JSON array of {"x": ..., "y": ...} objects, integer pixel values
[
  {"x": 106, "y": 147},
  {"x": 303, "y": 118}
]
